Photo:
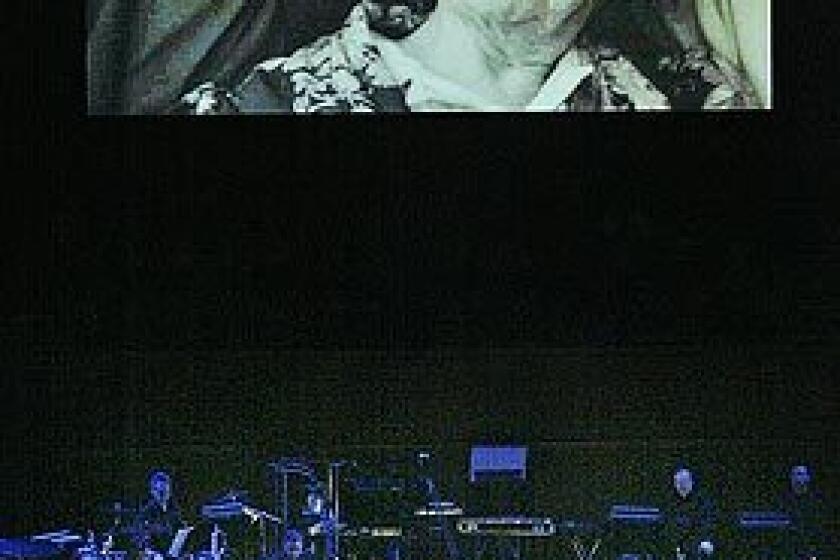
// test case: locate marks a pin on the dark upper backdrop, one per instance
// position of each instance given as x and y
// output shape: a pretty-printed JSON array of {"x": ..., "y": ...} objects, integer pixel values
[{"x": 214, "y": 330}]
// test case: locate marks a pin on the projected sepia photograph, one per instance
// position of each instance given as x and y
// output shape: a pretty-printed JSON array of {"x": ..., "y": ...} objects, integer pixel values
[{"x": 199, "y": 57}]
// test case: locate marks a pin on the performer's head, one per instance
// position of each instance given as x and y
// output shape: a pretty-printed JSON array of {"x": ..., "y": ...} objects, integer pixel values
[
  {"x": 160, "y": 487},
  {"x": 293, "y": 544},
  {"x": 683, "y": 482},
  {"x": 397, "y": 19},
  {"x": 800, "y": 479}
]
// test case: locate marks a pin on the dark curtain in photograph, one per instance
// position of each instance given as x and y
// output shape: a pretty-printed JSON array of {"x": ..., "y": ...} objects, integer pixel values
[{"x": 143, "y": 54}]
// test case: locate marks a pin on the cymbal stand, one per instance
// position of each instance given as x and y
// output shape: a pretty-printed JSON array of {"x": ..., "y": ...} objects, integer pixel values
[
  {"x": 286, "y": 467},
  {"x": 332, "y": 548},
  {"x": 218, "y": 543}
]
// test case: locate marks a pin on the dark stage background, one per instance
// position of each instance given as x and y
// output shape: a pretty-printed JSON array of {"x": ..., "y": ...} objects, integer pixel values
[{"x": 615, "y": 334}]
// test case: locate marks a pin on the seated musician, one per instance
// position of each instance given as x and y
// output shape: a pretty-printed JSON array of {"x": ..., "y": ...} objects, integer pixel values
[
  {"x": 807, "y": 512},
  {"x": 689, "y": 521},
  {"x": 158, "y": 519}
]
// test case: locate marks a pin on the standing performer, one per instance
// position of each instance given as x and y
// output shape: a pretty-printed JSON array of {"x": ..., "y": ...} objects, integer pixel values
[
  {"x": 158, "y": 519},
  {"x": 806, "y": 509},
  {"x": 689, "y": 521}
]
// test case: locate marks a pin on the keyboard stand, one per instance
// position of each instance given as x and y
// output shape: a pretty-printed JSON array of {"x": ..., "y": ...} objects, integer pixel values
[{"x": 580, "y": 549}]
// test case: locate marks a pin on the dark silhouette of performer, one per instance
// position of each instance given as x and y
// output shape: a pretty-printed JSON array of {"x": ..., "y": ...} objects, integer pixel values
[
  {"x": 159, "y": 518},
  {"x": 689, "y": 520},
  {"x": 807, "y": 511}
]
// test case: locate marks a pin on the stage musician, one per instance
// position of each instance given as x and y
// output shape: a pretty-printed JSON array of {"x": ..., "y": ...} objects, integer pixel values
[
  {"x": 689, "y": 520},
  {"x": 807, "y": 511},
  {"x": 159, "y": 518}
]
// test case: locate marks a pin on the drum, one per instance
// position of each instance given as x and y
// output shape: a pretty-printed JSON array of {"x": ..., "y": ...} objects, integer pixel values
[{"x": 87, "y": 553}]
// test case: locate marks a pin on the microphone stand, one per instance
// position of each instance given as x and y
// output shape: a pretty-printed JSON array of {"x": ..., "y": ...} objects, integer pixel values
[
  {"x": 285, "y": 467},
  {"x": 332, "y": 548}
]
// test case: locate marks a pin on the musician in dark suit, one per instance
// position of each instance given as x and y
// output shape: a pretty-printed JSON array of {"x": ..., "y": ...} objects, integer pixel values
[
  {"x": 689, "y": 520},
  {"x": 807, "y": 511},
  {"x": 159, "y": 518}
]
